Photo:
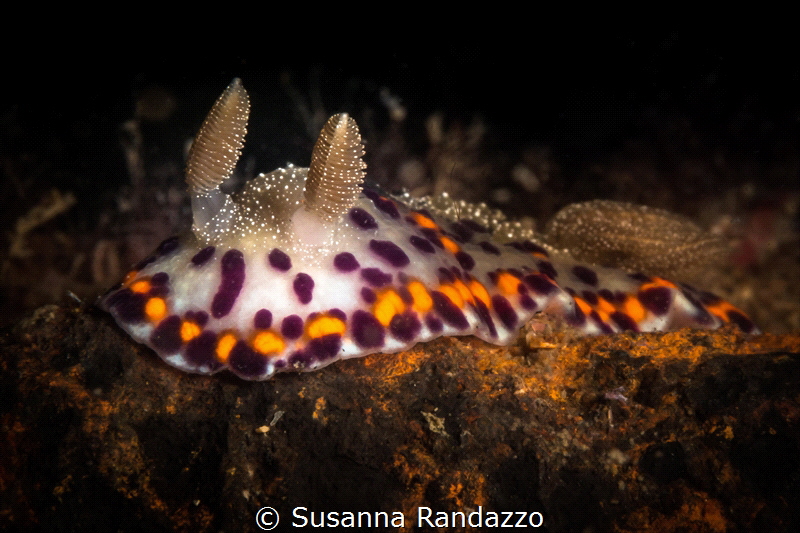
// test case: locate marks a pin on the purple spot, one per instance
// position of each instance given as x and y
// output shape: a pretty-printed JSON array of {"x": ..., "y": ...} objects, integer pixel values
[
  {"x": 449, "y": 312},
  {"x": 202, "y": 257},
  {"x": 445, "y": 276},
  {"x": 167, "y": 336},
  {"x": 128, "y": 305},
  {"x": 246, "y": 362},
  {"x": 376, "y": 277},
  {"x": 462, "y": 231},
  {"x": 423, "y": 245},
  {"x": 577, "y": 318},
  {"x": 485, "y": 316},
  {"x": 708, "y": 298},
  {"x": 609, "y": 296},
  {"x": 338, "y": 313},
  {"x": 590, "y": 297},
  {"x": 405, "y": 295},
  {"x": 300, "y": 359},
  {"x": 384, "y": 204},
  {"x": 368, "y": 295},
  {"x": 474, "y": 226},
  {"x": 547, "y": 268},
  {"x": 454, "y": 237},
  {"x": 586, "y": 275},
  {"x": 625, "y": 322},
  {"x": 744, "y": 323},
  {"x": 168, "y": 246},
  {"x": 158, "y": 290},
  {"x": 160, "y": 278},
  {"x": 516, "y": 245},
  {"x": 531, "y": 247},
  {"x": 325, "y": 347},
  {"x": 504, "y": 310},
  {"x": 433, "y": 236},
  {"x": 434, "y": 324},
  {"x": 702, "y": 316},
  {"x": 345, "y": 262},
  {"x": 292, "y": 327},
  {"x": 640, "y": 277},
  {"x": 263, "y": 319},
  {"x": 362, "y": 219},
  {"x": 528, "y": 303},
  {"x": 405, "y": 326},
  {"x": 540, "y": 284},
  {"x": 303, "y": 287},
  {"x": 605, "y": 328},
  {"x": 198, "y": 317},
  {"x": 232, "y": 267},
  {"x": 656, "y": 300},
  {"x": 570, "y": 291},
  {"x": 367, "y": 331},
  {"x": 465, "y": 260},
  {"x": 279, "y": 260},
  {"x": 202, "y": 350},
  {"x": 390, "y": 252},
  {"x": 489, "y": 248}
]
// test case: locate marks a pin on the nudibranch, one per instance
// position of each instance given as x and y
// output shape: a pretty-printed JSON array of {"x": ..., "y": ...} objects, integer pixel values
[{"x": 306, "y": 266}]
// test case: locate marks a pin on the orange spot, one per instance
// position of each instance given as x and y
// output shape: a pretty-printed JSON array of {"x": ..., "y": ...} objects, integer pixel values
[
  {"x": 720, "y": 309},
  {"x": 266, "y": 342},
  {"x": 479, "y": 291},
  {"x": 605, "y": 306},
  {"x": 225, "y": 344},
  {"x": 142, "y": 286},
  {"x": 422, "y": 300},
  {"x": 424, "y": 221},
  {"x": 130, "y": 276},
  {"x": 325, "y": 325},
  {"x": 657, "y": 282},
  {"x": 450, "y": 245},
  {"x": 463, "y": 291},
  {"x": 155, "y": 309},
  {"x": 507, "y": 283},
  {"x": 387, "y": 305},
  {"x": 452, "y": 294},
  {"x": 583, "y": 304},
  {"x": 634, "y": 309},
  {"x": 189, "y": 330}
]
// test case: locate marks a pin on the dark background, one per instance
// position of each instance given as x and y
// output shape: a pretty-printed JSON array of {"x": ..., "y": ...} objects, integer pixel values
[{"x": 602, "y": 104}]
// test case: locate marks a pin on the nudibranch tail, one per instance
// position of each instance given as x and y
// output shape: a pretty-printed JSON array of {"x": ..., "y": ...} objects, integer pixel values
[{"x": 303, "y": 267}]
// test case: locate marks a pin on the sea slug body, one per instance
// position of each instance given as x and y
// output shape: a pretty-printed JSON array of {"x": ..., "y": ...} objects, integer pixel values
[{"x": 306, "y": 266}]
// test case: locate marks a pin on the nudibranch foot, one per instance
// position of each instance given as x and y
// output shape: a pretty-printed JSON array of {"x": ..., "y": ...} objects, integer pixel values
[{"x": 306, "y": 266}]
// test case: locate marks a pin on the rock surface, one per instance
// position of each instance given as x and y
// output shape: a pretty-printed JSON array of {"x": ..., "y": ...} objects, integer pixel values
[{"x": 697, "y": 431}]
